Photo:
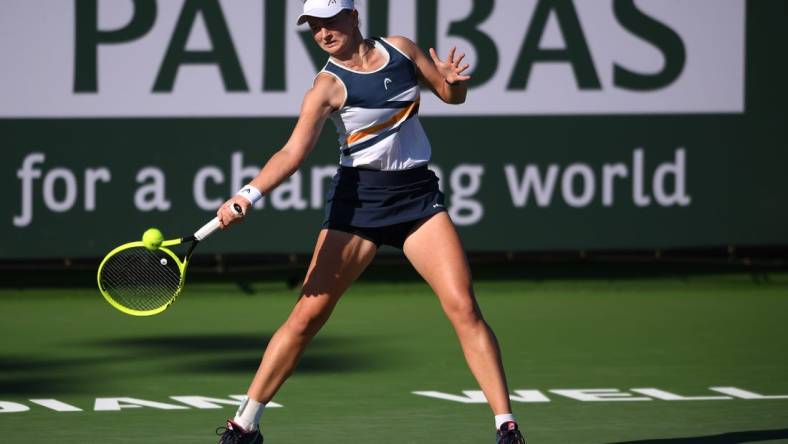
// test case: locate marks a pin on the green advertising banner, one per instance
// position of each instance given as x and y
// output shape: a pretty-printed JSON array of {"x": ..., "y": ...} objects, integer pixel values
[{"x": 656, "y": 124}]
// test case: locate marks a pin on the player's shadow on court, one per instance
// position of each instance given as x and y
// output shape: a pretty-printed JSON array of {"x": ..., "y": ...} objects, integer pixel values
[
  {"x": 26, "y": 375},
  {"x": 231, "y": 353},
  {"x": 723, "y": 438},
  {"x": 41, "y": 385},
  {"x": 331, "y": 363}
]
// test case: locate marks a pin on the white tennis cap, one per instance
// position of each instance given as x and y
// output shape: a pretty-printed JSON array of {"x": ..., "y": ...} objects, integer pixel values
[{"x": 324, "y": 8}]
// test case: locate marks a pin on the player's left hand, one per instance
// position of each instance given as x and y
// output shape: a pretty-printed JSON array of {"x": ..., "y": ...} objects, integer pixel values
[{"x": 450, "y": 68}]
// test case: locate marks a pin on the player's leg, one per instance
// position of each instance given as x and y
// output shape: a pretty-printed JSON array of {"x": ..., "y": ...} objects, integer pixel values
[
  {"x": 339, "y": 258},
  {"x": 435, "y": 251}
]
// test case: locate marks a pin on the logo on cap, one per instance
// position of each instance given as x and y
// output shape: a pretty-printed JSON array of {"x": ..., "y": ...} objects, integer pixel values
[{"x": 332, "y": 2}]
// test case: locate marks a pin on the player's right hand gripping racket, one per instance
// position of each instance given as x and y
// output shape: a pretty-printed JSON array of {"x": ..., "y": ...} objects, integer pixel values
[{"x": 143, "y": 282}]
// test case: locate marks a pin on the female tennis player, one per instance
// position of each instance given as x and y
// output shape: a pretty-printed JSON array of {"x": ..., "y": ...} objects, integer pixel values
[{"x": 382, "y": 194}]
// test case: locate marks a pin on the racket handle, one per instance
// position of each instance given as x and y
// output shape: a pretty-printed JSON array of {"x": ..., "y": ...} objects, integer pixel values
[{"x": 214, "y": 224}]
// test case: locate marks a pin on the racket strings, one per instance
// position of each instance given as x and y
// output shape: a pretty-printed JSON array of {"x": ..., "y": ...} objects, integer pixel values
[{"x": 140, "y": 279}]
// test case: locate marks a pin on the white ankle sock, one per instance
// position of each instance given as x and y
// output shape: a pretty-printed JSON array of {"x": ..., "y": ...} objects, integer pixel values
[
  {"x": 501, "y": 419},
  {"x": 248, "y": 414}
]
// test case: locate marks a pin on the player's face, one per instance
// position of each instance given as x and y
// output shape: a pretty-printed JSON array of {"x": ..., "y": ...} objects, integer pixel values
[{"x": 334, "y": 34}]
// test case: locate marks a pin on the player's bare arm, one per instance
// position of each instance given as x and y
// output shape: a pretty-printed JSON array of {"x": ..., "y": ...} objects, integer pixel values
[
  {"x": 445, "y": 77},
  {"x": 319, "y": 102}
]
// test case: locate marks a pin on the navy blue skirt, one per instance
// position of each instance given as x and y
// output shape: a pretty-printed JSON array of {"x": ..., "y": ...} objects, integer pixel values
[{"x": 370, "y": 198}]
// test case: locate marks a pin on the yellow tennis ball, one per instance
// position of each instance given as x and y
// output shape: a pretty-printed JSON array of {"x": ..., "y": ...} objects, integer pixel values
[{"x": 152, "y": 238}]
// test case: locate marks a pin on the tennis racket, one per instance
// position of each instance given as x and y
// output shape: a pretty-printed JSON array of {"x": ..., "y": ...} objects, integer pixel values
[{"x": 143, "y": 282}]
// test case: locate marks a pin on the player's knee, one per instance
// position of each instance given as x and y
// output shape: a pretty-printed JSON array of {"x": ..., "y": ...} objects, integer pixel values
[
  {"x": 306, "y": 323},
  {"x": 462, "y": 311},
  {"x": 304, "y": 327}
]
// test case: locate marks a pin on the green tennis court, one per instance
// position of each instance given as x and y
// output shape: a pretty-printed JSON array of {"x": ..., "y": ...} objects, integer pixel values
[
  {"x": 616, "y": 171},
  {"x": 651, "y": 343}
]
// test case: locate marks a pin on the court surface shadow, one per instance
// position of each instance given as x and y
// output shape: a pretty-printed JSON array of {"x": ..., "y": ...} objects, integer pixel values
[
  {"x": 340, "y": 362},
  {"x": 27, "y": 375},
  {"x": 43, "y": 385},
  {"x": 723, "y": 438},
  {"x": 231, "y": 353},
  {"x": 186, "y": 344},
  {"x": 207, "y": 343}
]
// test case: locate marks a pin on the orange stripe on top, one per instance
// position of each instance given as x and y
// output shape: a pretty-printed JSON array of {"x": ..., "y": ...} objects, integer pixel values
[{"x": 406, "y": 112}]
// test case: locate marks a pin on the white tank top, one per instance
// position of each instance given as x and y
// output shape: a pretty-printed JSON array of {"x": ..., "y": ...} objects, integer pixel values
[{"x": 378, "y": 123}]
